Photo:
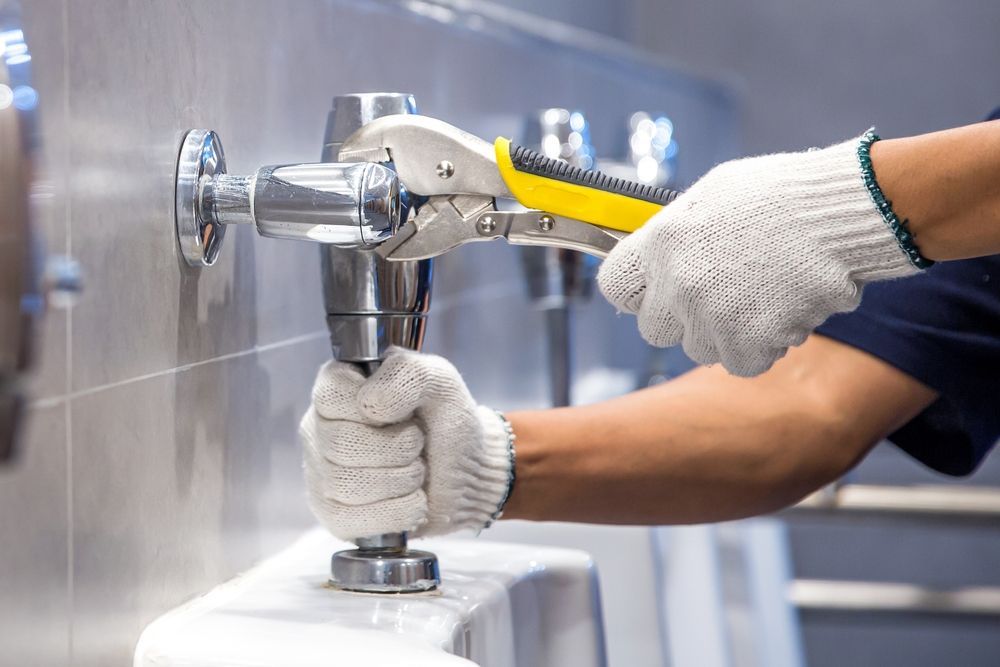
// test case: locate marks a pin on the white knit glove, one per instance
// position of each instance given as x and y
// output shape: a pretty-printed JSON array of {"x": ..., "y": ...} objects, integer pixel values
[
  {"x": 404, "y": 450},
  {"x": 754, "y": 256}
]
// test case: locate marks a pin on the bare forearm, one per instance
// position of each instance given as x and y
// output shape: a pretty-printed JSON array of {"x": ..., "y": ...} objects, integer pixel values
[
  {"x": 708, "y": 446},
  {"x": 947, "y": 184}
]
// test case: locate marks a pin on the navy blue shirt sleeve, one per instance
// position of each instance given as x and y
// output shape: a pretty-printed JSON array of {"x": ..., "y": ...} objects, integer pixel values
[{"x": 942, "y": 328}]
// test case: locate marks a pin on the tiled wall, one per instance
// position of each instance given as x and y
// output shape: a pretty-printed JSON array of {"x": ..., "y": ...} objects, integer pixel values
[{"x": 160, "y": 454}]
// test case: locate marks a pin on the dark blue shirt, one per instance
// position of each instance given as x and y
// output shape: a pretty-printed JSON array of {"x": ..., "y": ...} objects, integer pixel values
[{"x": 942, "y": 328}]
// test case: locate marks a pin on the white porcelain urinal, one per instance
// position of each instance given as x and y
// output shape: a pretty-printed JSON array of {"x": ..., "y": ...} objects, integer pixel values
[{"x": 499, "y": 605}]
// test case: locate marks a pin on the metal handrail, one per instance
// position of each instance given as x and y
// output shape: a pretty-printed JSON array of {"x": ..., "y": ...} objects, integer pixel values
[
  {"x": 868, "y": 596},
  {"x": 921, "y": 501}
]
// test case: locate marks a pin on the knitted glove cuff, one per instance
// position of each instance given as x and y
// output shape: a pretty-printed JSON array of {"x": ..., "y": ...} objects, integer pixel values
[
  {"x": 490, "y": 484},
  {"x": 844, "y": 211}
]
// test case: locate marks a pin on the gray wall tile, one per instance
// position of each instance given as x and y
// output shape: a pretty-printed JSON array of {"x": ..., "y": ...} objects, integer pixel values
[
  {"x": 181, "y": 481},
  {"x": 34, "y": 554}
]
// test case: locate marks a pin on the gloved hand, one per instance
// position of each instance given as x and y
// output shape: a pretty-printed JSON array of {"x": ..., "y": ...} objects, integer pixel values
[
  {"x": 757, "y": 254},
  {"x": 404, "y": 450}
]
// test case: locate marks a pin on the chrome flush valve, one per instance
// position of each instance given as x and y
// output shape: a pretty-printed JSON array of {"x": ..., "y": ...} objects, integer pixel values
[
  {"x": 354, "y": 205},
  {"x": 371, "y": 304}
]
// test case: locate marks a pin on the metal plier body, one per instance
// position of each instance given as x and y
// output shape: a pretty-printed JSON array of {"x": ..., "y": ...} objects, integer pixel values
[{"x": 477, "y": 191}]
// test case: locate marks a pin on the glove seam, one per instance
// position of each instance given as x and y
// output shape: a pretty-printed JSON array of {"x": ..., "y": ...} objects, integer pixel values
[{"x": 904, "y": 237}]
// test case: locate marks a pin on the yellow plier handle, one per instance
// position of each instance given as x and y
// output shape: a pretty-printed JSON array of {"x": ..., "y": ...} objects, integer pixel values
[{"x": 555, "y": 187}]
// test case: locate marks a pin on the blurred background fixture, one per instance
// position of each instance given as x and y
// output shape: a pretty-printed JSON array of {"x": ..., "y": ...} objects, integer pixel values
[
  {"x": 160, "y": 455},
  {"x": 21, "y": 299},
  {"x": 557, "y": 279},
  {"x": 29, "y": 279}
]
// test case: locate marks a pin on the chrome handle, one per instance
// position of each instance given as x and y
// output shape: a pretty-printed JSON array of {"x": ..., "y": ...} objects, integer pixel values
[{"x": 355, "y": 205}]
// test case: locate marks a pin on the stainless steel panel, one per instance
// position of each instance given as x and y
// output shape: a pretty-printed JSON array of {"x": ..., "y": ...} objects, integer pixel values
[
  {"x": 34, "y": 586},
  {"x": 181, "y": 481}
]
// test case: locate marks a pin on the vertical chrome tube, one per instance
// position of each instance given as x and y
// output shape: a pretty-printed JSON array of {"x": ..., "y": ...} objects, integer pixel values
[{"x": 372, "y": 305}]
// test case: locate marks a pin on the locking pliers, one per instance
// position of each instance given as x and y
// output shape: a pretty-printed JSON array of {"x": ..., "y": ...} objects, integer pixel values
[{"x": 477, "y": 191}]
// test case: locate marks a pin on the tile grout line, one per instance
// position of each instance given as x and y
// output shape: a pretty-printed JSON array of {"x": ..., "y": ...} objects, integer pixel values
[{"x": 256, "y": 349}]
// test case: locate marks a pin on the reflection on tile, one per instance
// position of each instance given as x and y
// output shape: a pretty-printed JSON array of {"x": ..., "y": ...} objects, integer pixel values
[
  {"x": 34, "y": 591},
  {"x": 181, "y": 481},
  {"x": 45, "y": 37}
]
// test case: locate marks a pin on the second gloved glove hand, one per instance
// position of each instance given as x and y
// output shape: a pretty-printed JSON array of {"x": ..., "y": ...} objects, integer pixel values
[
  {"x": 404, "y": 450},
  {"x": 754, "y": 256}
]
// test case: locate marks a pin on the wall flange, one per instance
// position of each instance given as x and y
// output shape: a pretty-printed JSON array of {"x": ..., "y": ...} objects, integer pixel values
[{"x": 199, "y": 235}]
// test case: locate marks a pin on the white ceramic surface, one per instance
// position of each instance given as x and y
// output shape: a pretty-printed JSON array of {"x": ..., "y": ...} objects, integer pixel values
[{"x": 499, "y": 605}]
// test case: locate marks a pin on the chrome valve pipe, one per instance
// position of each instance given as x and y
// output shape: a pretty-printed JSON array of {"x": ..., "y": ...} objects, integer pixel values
[
  {"x": 371, "y": 304},
  {"x": 353, "y": 205}
]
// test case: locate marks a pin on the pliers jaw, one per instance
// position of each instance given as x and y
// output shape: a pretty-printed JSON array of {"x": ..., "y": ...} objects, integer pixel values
[{"x": 444, "y": 223}]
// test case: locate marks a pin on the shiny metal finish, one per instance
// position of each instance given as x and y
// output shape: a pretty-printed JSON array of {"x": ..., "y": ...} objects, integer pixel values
[
  {"x": 199, "y": 234},
  {"x": 528, "y": 229},
  {"x": 442, "y": 226},
  {"x": 353, "y": 205},
  {"x": 361, "y": 282},
  {"x": 373, "y": 304},
  {"x": 363, "y": 338},
  {"x": 417, "y": 145},
  {"x": 384, "y": 571},
  {"x": 21, "y": 300},
  {"x": 350, "y": 112},
  {"x": 344, "y": 204},
  {"x": 894, "y": 598},
  {"x": 929, "y": 502}
]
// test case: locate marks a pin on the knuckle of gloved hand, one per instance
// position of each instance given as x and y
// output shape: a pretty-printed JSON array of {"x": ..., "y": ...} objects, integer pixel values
[
  {"x": 395, "y": 390},
  {"x": 334, "y": 395},
  {"x": 622, "y": 280},
  {"x": 698, "y": 347},
  {"x": 356, "y": 444},
  {"x": 750, "y": 361},
  {"x": 658, "y": 322},
  {"x": 364, "y": 486},
  {"x": 388, "y": 516}
]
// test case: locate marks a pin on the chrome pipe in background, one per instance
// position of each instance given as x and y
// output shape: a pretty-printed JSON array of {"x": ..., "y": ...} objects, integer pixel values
[
  {"x": 649, "y": 157},
  {"x": 925, "y": 502},
  {"x": 371, "y": 304},
  {"x": 29, "y": 280},
  {"x": 559, "y": 279}
]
